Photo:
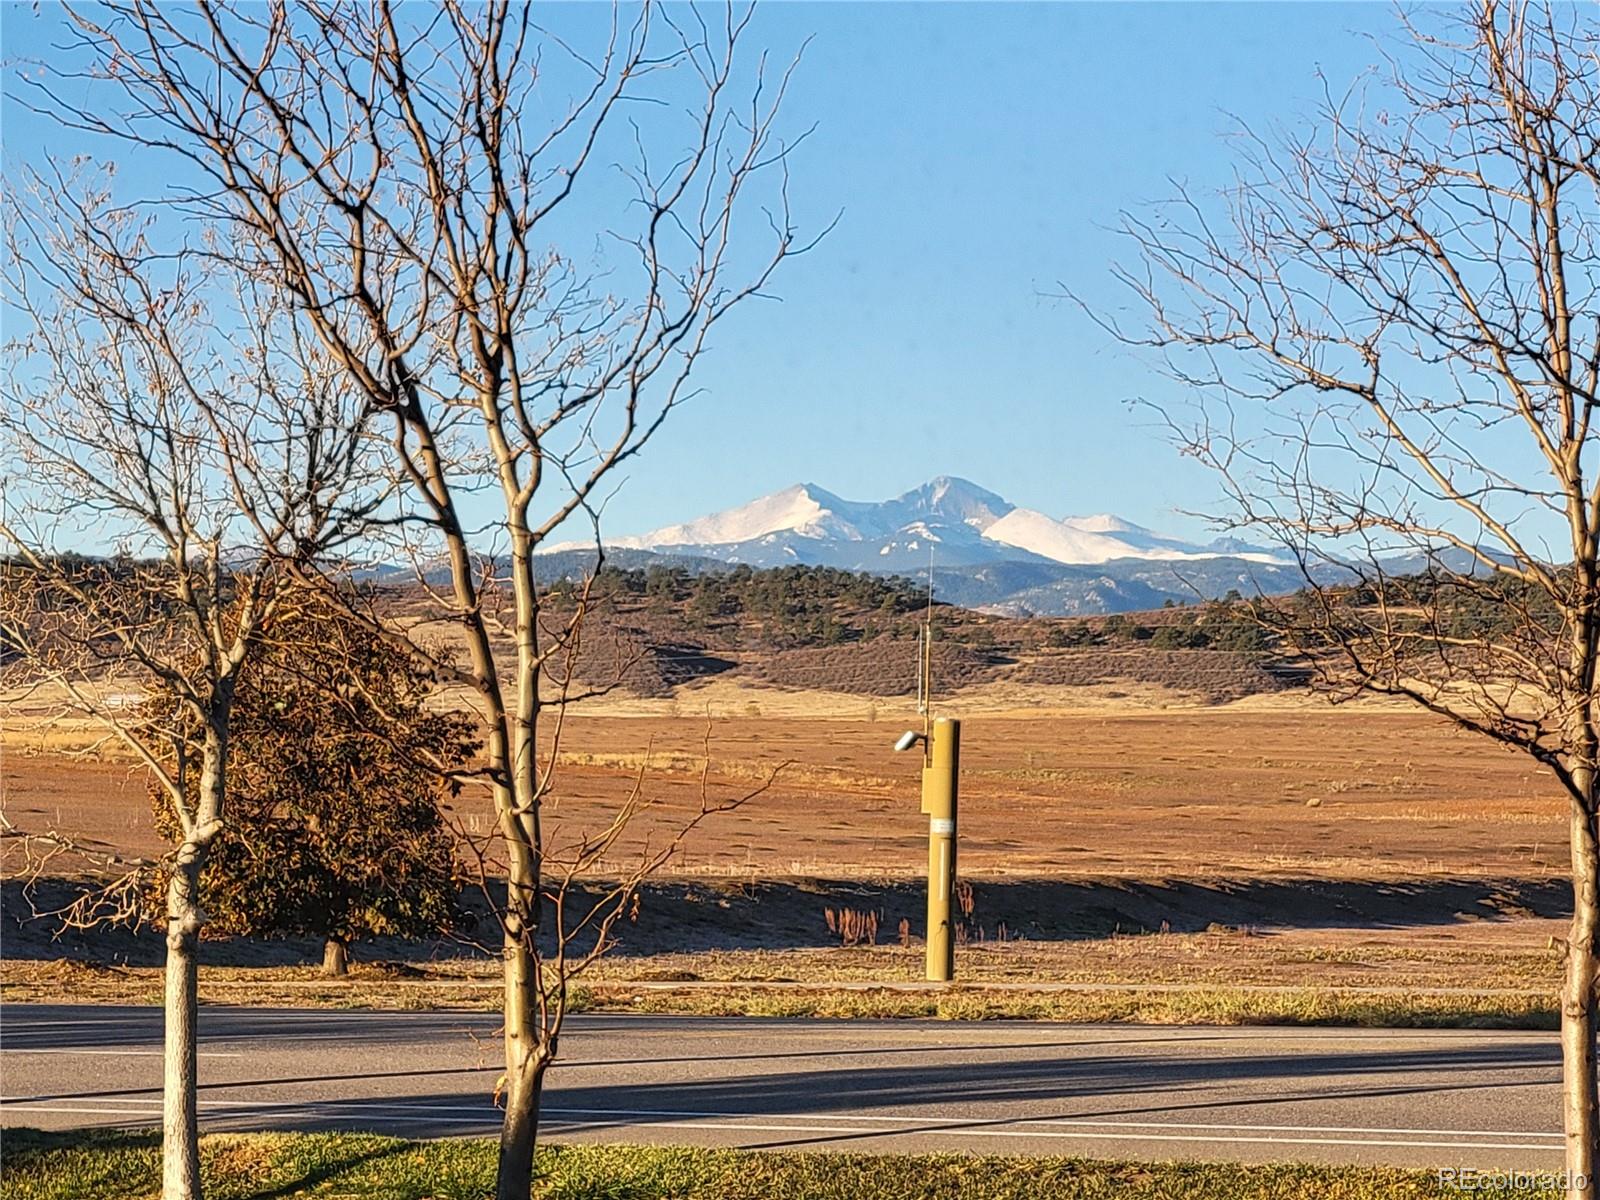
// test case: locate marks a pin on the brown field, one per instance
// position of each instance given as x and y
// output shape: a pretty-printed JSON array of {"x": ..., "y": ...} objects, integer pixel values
[
  {"x": 1343, "y": 861},
  {"x": 1251, "y": 791}
]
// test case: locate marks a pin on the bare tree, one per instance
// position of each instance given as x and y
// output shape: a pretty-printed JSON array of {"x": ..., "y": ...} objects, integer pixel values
[
  {"x": 166, "y": 419},
  {"x": 413, "y": 181},
  {"x": 1390, "y": 331}
]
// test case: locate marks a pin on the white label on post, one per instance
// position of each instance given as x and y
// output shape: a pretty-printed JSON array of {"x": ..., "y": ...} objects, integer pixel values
[{"x": 941, "y": 825}]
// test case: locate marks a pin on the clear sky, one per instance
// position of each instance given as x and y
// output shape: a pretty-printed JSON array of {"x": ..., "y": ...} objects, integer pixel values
[{"x": 979, "y": 155}]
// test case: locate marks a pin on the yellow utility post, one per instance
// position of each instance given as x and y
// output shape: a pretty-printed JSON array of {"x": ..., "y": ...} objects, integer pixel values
[{"x": 940, "y": 764}]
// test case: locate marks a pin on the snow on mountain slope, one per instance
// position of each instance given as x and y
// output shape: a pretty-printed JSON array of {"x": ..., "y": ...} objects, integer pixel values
[
  {"x": 1101, "y": 538},
  {"x": 965, "y": 525},
  {"x": 1103, "y": 523},
  {"x": 804, "y": 509},
  {"x": 1061, "y": 541}
]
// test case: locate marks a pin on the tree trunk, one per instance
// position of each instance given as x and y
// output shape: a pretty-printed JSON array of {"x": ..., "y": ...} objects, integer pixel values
[
  {"x": 525, "y": 1063},
  {"x": 335, "y": 957},
  {"x": 1580, "y": 1103},
  {"x": 180, "y": 1126}
]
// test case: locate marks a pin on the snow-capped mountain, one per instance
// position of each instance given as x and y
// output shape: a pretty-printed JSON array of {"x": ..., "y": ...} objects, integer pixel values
[{"x": 962, "y": 525}]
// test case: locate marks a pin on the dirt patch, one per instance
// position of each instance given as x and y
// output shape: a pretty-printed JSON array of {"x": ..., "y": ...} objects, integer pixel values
[
  {"x": 1215, "y": 676},
  {"x": 882, "y": 667},
  {"x": 619, "y": 658}
]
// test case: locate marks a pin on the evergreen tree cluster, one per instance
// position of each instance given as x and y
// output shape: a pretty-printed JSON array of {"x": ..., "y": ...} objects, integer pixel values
[
  {"x": 336, "y": 782},
  {"x": 801, "y": 604}
]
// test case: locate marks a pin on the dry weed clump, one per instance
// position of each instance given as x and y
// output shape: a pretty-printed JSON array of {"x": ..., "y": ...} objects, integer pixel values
[{"x": 853, "y": 928}]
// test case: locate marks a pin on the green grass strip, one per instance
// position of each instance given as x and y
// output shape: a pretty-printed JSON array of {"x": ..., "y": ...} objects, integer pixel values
[{"x": 351, "y": 1166}]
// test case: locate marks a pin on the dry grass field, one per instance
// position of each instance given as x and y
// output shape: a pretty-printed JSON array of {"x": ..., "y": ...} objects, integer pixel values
[
  {"x": 1286, "y": 844},
  {"x": 1300, "y": 790}
]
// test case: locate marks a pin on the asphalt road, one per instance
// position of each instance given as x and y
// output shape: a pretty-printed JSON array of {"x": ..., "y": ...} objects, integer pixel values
[{"x": 1417, "y": 1098}]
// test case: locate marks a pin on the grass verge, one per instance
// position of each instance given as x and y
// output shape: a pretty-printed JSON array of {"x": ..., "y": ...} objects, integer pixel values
[
  {"x": 1087, "y": 1002},
  {"x": 1199, "y": 1006},
  {"x": 275, "y": 1166}
]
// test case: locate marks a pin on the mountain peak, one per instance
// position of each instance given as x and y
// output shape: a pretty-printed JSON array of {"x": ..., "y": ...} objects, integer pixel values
[
  {"x": 961, "y": 524},
  {"x": 954, "y": 498}
]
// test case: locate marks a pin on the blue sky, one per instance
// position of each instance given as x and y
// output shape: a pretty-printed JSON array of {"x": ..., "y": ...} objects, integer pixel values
[{"x": 979, "y": 156}]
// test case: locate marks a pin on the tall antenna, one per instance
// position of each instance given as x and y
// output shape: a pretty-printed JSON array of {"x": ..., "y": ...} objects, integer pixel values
[{"x": 925, "y": 654}]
